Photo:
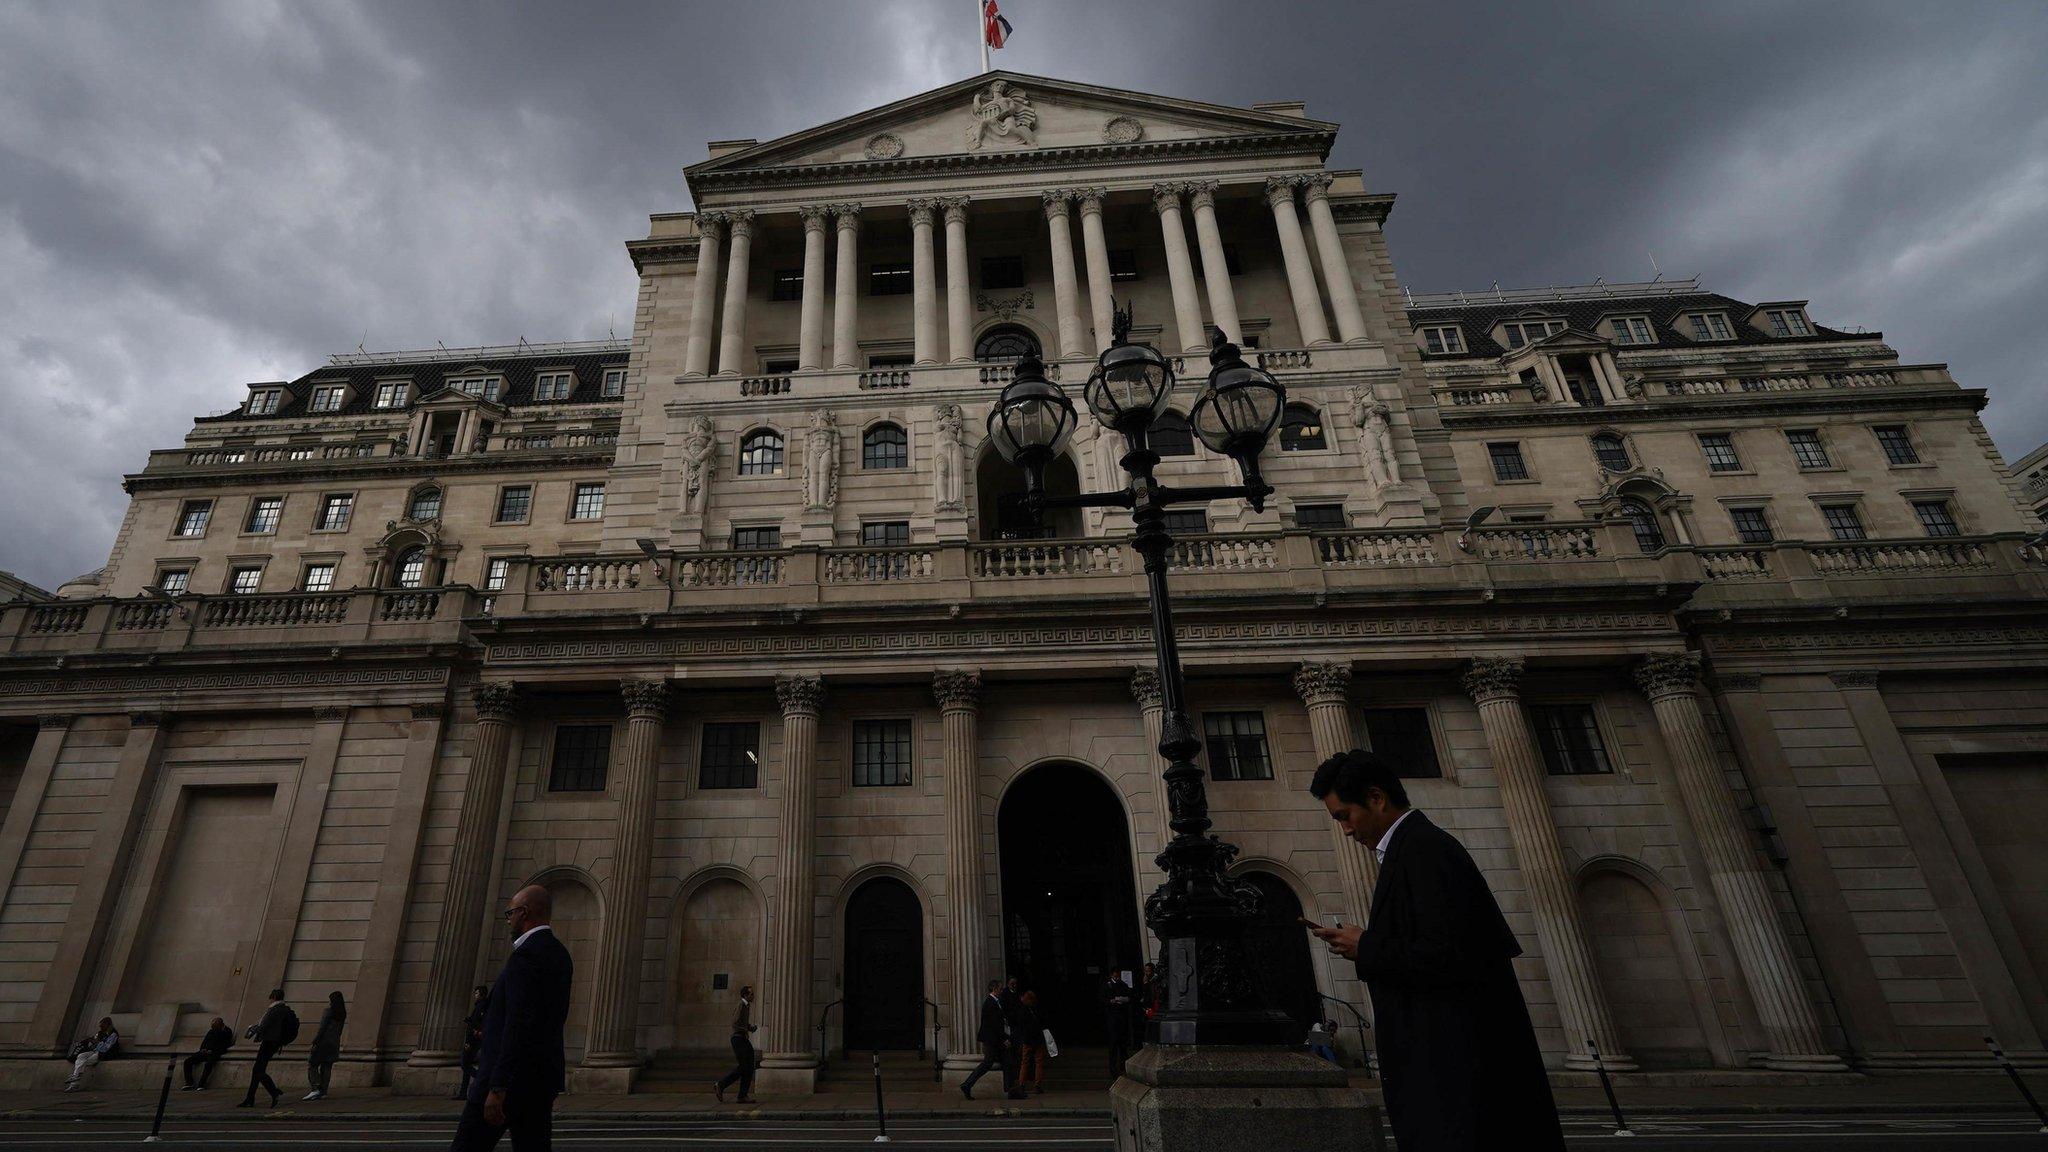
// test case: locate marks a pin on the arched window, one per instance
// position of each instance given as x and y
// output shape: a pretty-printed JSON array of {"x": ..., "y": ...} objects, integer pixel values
[
  {"x": 426, "y": 504},
  {"x": 884, "y": 446},
  {"x": 1006, "y": 344},
  {"x": 1611, "y": 452},
  {"x": 1649, "y": 533},
  {"x": 411, "y": 569},
  {"x": 761, "y": 453},
  {"x": 1170, "y": 435},
  {"x": 1301, "y": 430}
]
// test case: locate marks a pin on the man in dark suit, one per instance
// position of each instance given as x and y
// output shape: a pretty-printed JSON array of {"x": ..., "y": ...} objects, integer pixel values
[
  {"x": 520, "y": 1069},
  {"x": 996, "y": 1048},
  {"x": 278, "y": 1027},
  {"x": 1458, "y": 1057},
  {"x": 219, "y": 1039}
]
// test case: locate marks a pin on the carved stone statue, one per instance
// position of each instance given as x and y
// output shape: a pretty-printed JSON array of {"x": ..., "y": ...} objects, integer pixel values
[
  {"x": 949, "y": 461},
  {"x": 1109, "y": 456},
  {"x": 700, "y": 450},
  {"x": 1375, "y": 438},
  {"x": 821, "y": 460},
  {"x": 1003, "y": 113}
]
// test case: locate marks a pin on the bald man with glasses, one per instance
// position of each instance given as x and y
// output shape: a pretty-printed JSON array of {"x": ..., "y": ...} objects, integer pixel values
[{"x": 520, "y": 1068}]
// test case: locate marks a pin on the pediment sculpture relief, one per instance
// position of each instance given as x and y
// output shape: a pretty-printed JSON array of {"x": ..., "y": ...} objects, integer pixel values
[{"x": 1002, "y": 113}]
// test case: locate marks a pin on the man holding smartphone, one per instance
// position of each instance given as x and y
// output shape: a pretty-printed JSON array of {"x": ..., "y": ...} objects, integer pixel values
[{"x": 1458, "y": 1056}]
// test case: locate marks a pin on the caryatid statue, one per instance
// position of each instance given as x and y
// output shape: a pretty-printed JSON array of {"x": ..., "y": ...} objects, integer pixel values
[
  {"x": 1375, "y": 438},
  {"x": 949, "y": 460},
  {"x": 821, "y": 460},
  {"x": 700, "y": 453}
]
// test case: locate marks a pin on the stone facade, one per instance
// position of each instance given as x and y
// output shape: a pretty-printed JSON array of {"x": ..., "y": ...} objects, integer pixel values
[{"x": 761, "y": 648}]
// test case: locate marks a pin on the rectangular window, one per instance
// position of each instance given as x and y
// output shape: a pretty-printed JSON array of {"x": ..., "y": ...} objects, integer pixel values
[
  {"x": 1936, "y": 518},
  {"x": 193, "y": 517},
  {"x": 1719, "y": 448},
  {"x": 1507, "y": 461},
  {"x": 889, "y": 279},
  {"x": 885, "y": 533},
  {"x": 1187, "y": 521},
  {"x": 582, "y": 753},
  {"x": 335, "y": 510},
  {"x": 1237, "y": 745},
  {"x": 891, "y": 360},
  {"x": 488, "y": 387},
  {"x": 174, "y": 580},
  {"x": 589, "y": 502},
  {"x": 515, "y": 504},
  {"x": 1898, "y": 447},
  {"x": 1402, "y": 736},
  {"x": 264, "y": 512},
  {"x": 1710, "y": 326},
  {"x": 264, "y": 403},
  {"x": 1631, "y": 330},
  {"x": 730, "y": 757},
  {"x": 757, "y": 539},
  {"x": 881, "y": 753},
  {"x": 786, "y": 284},
  {"x": 318, "y": 578},
  {"x": 1123, "y": 263},
  {"x": 1844, "y": 522},
  {"x": 614, "y": 384},
  {"x": 1528, "y": 332},
  {"x": 1787, "y": 322},
  {"x": 1807, "y": 448},
  {"x": 1320, "y": 517},
  {"x": 1526, "y": 518},
  {"x": 1443, "y": 340},
  {"x": 1750, "y": 525},
  {"x": 245, "y": 581},
  {"x": 390, "y": 395},
  {"x": 551, "y": 386},
  {"x": 327, "y": 399},
  {"x": 1569, "y": 739},
  {"x": 496, "y": 569},
  {"x": 1002, "y": 272}
]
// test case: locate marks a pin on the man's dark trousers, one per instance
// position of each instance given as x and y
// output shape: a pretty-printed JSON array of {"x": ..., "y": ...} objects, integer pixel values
[
  {"x": 743, "y": 1067},
  {"x": 205, "y": 1062},
  {"x": 530, "y": 1120},
  {"x": 259, "y": 1075},
  {"x": 992, "y": 1056}
]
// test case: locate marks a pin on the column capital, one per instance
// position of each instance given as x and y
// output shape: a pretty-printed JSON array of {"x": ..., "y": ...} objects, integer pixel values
[
  {"x": 799, "y": 694},
  {"x": 955, "y": 207},
  {"x": 1145, "y": 688},
  {"x": 848, "y": 216},
  {"x": 816, "y": 217},
  {"x": 1280, "y": 190},
  {"x": 740, "y": 222},
  {"x": 957, "y": 689},
  {"x": 496, "y": 700},
  {"x": 1054, "y": 201},
  {"x": 1089, "y": 201},
  {"x": 921, "y": 211},
  {"x": 646, "y": 699},
  {"x": 1663, "y": 674},
  {"x": 1328, "y": 683},
  {"x": 1855, "y": 678},
  {"x": 1202, "y": 193},
  {"x": 711, "y": 224},
  {"x": 1167, "y": 196},
  {"x": 53, "y": 720},
  {"x": 1315, "y": 186},
  {"x": 1493, "y": 678}
]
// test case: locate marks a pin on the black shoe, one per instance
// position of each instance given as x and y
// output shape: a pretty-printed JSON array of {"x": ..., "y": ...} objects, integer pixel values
[
  {"x": 721, "y": 1093},
  {"x": 251, "y": 1103},
  {"x": 275, "y": 1097},
  {"x": 188, "y": 1087},
  {"x": 967, "y": 1092},
  {"x": 1018, "y": 1094}
]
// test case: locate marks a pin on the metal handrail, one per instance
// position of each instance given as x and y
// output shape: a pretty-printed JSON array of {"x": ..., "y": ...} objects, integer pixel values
[
  {"x": 1358, "y": 1021},
  {"x": 824, "y": 1054},
  {"x": 938, "y": 1076}
]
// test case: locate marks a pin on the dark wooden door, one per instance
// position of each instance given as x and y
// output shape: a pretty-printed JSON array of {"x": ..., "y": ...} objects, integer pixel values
[{"x": 884, "y": 967}]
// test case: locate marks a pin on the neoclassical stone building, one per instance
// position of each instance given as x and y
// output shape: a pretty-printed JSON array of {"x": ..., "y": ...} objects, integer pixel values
[{"x": 1714, "y": 632}]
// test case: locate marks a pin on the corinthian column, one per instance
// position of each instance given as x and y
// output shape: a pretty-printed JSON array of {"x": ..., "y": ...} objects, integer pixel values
[
  {"x": 1326, "y": 690},
  {"x": 1301, "y": 279},
  {"x": 1066, "y": 301},
  {"x": 845, "y": 290},
  {"x": 1215, "y": 265},
  {"x": 462, "y": 900},
  {"x": 704, "y": 293},
  {"x": 959, "y": 320},
  {"x": 1180, "y": 271},
  {"x": 1671, "y": 681},
  {"x": 732, "y": 333},
  {"x": 924, "y": 289},
  {"x": 786, "y": 985},
  {"x": 1495, "y": 685},
  {"x": 616, "y": 993},
  {"x": 1096, "y": 250},
  {"x": 1330, "y": 249},
  {"x": 959, "y": 696},
  {"x": 810, "y": 339}
]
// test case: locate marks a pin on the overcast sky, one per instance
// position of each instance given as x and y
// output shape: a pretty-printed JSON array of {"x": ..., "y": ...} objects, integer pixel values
[{"x": 194, "y": 195}]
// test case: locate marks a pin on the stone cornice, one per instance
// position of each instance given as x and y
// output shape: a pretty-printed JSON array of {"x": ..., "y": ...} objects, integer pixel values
[
  {"x": 359, "y": 467},
  {"x": 1373, "y": 208},
  {"x": 663, "y": 251},
  {"x": 1712, "y": 407}
]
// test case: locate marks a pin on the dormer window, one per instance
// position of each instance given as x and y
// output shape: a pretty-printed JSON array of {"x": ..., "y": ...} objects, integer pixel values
[
  {"x": 265, "y": 402},
  {"x": 487, "y": 387},
  {"x": 614, "y": 383},
  {"x": 552, "y": 386},
  {"x": 1631, "y": 330},
  {"x": 1709, "y": 326},
  {"x": 1529, "y": 331},
  {"x": 1444, "y": 339},
  {"x": 1787, "y": 322},
  {"x": 391, "y": 394},
  {"x": 328, "y": 398}
]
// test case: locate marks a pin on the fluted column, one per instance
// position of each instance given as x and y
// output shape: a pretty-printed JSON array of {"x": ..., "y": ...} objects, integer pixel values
[
  {"x": 1330, "y": 251},
  {"x": 1180, "y": 271},
  {"x": 1326, "y": 690},
  {"x": 786, "y": 991},
  {"x": 924, "y": 288},
  {"x": 732, "y": 331},
  {"x": 846, "y": 289},
  {"x": 810, "y": 339},
  {"x": 1095, "y": 249},
  {"x": 1066, "y": 299},
  {"x": 1671, "y": 681},
  {"x": 959, "y": 696},
  {"x": 1301, "y": 279},
  {"x": 959, "y": 318},
  {"x": 1495, "y": 685},
  {"x": 703, "y": 294},
  {"x": 616, "y": 993},
  {"x": 463, "y": 898},
  {"x": 1215, "y": 266}
]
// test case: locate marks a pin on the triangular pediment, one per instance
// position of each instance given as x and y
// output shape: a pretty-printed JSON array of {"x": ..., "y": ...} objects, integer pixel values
[{"x": 1002, "y": 114}]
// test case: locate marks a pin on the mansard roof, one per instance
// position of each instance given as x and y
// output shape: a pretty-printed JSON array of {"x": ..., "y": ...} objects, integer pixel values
[
  {"x": 1584, "y": 308},
  {"x": 428, "y": 371}
]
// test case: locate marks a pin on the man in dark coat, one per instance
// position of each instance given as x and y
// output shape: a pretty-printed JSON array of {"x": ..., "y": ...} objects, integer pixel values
[
  {"x": 278, "y": 1027},
  {"x": 996, "y": 1049},
  {"x": 219, "y": 1039},
  {"x": 1116, "y": 997},
  {"x": 520, "y": 1070},
  {"x": 1458, "y": 1057}
]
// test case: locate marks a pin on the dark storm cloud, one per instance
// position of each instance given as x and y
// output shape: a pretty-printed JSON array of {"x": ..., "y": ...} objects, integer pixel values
[{"x": 197, "y": 195}]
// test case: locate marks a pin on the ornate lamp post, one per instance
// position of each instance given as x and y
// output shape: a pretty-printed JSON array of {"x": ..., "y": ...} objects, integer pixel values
[{"x": 1200, "y": 914}]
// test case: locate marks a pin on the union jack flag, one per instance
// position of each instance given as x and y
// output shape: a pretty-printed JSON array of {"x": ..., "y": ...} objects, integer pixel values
[{"x": 994, "y": 29}]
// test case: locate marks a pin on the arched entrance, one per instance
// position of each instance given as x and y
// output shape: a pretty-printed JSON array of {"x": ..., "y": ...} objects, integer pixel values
[
  {"x": 1647, "y": 970},
  {"x": 884, "y": 966},
  {"x": 1069, "y": 900},
  {"x": 997, "y": 486},
  {"x": 1286, "y": 972},
  {"x": 718, "y": 954}
]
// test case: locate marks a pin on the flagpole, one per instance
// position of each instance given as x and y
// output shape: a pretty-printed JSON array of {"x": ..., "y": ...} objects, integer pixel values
[{"x": 981, "y": 32}]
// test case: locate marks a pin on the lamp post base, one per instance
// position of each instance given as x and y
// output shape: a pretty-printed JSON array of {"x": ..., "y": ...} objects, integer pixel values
[{"x": 1218, "y": 1098}]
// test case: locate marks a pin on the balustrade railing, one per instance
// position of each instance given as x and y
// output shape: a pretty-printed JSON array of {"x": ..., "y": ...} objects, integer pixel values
[
  {"x": 728, "y": 569},
  {"x": 1373, "y": 548},
  {"x": 141, "y": 616},
  {"x": 1879, "y": 557},
  {"x": 885, "y": 378},
  {"x": 288, "y": 609},
  {"x": 1026, "y": 558},
  {"x": 53, "y": 619},
  {"x": 1225, "y": 553},
  {"x": 1735, "y": 563},
  {"x": 1534, "y": 542},
  {"x": 1473, "y": 397},
  {"x": 871, "y": 565},
  {"x": 764, "y": 385},
  {"x": 586, "y": 574},
  {"x": 420, "y": 604}
]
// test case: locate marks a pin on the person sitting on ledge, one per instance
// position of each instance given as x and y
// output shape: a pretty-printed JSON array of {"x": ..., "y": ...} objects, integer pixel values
[
  {"x": 219, "y": 1039},
  {"x": 101, "y": 1045}
]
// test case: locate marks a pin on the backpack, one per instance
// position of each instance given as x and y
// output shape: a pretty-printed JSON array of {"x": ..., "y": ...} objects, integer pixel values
[{"x": 289, "y": 1027}]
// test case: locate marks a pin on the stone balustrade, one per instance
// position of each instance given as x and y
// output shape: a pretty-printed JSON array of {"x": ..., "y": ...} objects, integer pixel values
[
  {"x": 284, "y": 609},
  {"x": 363, "y": 616},
  {"x": 1887, "y": 556},
  {"x": 1735, "y": 563}
]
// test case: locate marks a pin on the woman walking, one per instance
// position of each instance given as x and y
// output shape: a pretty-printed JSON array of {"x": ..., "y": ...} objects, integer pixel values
[
  {"x": 473, "y": 1036},
  {"x": 743, "y": 1027},
  {"x": 326, "y": 1047},
  {"x": 1030, "y": 1044}
]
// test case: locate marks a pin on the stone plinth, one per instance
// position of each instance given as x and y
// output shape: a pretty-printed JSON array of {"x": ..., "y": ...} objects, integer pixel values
[
  {"x": 1174, "y": 1098},
  {"x": 776, "y": 1078}
]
